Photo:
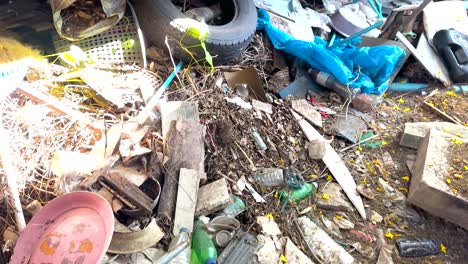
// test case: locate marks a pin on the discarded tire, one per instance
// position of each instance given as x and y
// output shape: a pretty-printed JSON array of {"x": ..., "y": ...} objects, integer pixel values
[{"x": 161, "y": 18}]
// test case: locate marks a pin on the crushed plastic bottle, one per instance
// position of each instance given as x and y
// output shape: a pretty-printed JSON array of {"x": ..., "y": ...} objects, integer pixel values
[
  {"x": 203, "y": 249},
  {"x": 269, "y": 177},
  {"x": 237, "y": 207},
  {"x": 324, "y": 248},
  {"x": 184, "y": 256},
  {"x": 296, "y": 195},
  {"x": 417, "y": 247}
]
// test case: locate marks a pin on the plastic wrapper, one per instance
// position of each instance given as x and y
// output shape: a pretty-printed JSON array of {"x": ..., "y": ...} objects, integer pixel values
[{"x": 368, "y": 68}]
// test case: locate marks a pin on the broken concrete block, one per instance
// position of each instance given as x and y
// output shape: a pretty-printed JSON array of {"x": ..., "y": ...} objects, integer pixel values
[
  {"x": 336, "y": 200},
  {"x": 376, "y": 217},
  {"x": 308, "y": 111},
  {"x": 265, "y": 107},
  {"x": 213, "y": 197},
  {"x": 186, "y": 200},
  {"x": 350, "y": 129},
  {"x": 268, "y": 226},
  {"x": 392, "y": 193},
  {"x": 414, "y": 133},
  {"x": 429, "y": 189},
  {"x": 317, "y": 148}
]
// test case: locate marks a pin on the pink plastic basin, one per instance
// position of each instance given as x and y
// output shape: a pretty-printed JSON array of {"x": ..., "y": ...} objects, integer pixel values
[{"x": 74, "y": 228}]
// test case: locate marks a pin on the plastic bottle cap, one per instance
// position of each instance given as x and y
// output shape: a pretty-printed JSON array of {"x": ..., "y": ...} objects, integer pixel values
[
  {"x": 184, "y": 229},
  {"x": 211, "y": 261}
]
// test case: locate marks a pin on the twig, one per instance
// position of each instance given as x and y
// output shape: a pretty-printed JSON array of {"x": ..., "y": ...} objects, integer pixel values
[
  {"x": 440, "y": 112},
  {"x": 226, "y": 177},
  {"x": 246, "y": 156}
]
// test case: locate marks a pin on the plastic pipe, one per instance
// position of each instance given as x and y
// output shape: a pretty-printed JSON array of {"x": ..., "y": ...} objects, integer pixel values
[
  {"x": 461, "y": 88},
  {"x": 410, "y": 87},
  {"x": 407, "y": 87}
]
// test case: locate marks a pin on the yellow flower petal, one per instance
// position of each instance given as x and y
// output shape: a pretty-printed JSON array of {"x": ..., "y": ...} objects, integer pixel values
[
  {"x": 443, "y": 248},
  {"x": 458, "y": 135},
  {"x": 450, "y": 93},
  {"x": 400, "y": 100},
  {"x": 389, "y": 235},
  {"x": 325, "y": 196},
  {"x": 465, "y": 167},
  {"x": 406, "y": 110},
  {"x": 455, "y": 191},
  {"x": 378, "y": 189},
  {"x": 405, "y": 178},
  {"x": 403, "y": 189},
  {"x": 339, "y": 217},
  {"x": 270, "y": 216},
  {"x": 396, "y": 108},
  {"x": 449, "y": 181},
  {"x": 283, "y": 259},
  {"x": 458, "y": 176},
  {"x": 384, "y": 143},
  {"x": 329, "y": 177},
  {"x": 360, "y": 149},
  {"x": 457, "y": 141}
]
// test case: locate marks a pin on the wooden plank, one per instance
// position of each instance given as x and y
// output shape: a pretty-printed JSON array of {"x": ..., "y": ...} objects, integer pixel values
[
  {"x": 428, "y": 58},
  {"x": 130, "y": 191},
  {"x": 186, "y": 200},
  {"x": 308, "y": 111},
  {"x": 336, "y": 166},
  {"x": 186, "y": 149},
  {"x": 177, "y": 110}
]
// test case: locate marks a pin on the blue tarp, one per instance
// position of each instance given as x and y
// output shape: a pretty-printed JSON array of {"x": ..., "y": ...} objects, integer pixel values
[{"x": 368, "y": 68}]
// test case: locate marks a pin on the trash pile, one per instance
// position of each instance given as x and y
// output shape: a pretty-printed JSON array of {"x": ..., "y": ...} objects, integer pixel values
[{"x": 340, "y": 135}]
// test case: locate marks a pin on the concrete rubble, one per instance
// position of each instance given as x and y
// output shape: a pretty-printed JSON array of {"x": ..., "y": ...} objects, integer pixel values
[{"x": 428, "y": 189}]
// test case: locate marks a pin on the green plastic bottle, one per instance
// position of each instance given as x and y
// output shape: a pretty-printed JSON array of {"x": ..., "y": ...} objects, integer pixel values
[
  {"x": 296, "y": 195},
  {"x": 203, "y": 249}
]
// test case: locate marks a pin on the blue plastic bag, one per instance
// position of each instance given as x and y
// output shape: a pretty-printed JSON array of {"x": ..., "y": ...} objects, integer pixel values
[{"x": 368, "y": 68}]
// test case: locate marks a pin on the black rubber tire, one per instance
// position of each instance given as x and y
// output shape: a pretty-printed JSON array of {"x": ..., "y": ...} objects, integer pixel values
[{"x": 225, "y": 43}]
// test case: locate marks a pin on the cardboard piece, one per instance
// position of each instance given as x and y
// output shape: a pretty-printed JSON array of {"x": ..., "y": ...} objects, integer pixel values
[{"x": 250, "y": 77}]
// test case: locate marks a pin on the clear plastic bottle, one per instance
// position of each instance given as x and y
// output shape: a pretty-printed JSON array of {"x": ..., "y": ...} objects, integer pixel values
[
  {"x": 203, "y": 249},
  {"x": 184, "y": 256},
  {"x": 270, "y": 177}
]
